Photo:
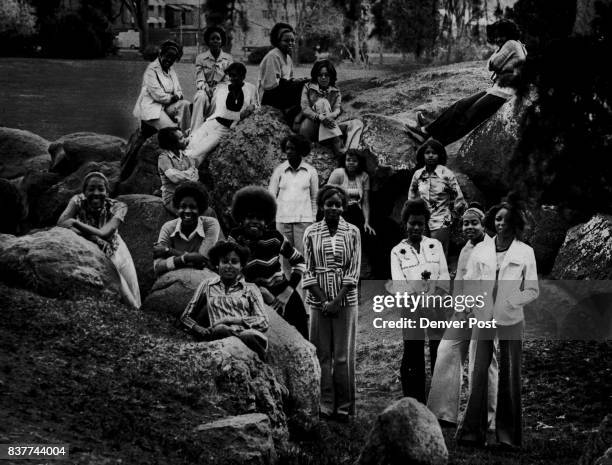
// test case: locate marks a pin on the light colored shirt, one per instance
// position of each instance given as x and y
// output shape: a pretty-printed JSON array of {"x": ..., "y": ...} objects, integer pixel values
[
  {"x": 332, "y": 267},
  {"x": 274, "y": 67},
  {"x": 158, "y": 88},
  {"x": 505, "y": 63},
  {"x": 311, "y": 93},
  {"x": 355, "y": 188},
  {"x": 464, "y": 256},
  {"x": 295, "y": 191},
  {"x": 220, "y": 98},
  {"x": 439, "y": 189},
  {"x": 210, "y": 70},
  {"x": 174, "y": 169}
]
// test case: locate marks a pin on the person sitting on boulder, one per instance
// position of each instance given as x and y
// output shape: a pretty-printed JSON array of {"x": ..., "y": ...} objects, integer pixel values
[
  {"x": 438, "y": 186},
  {"x": 232, "y": 102},
  {"x": 227, "y": 305},
  {"x": 161, "y": 103},
  {"x": 276, "y": 84},
  {"x": 466, "y": 114},
  {"x": 97, "y": 217},
  {"x": 254, "y": 209},
  {"x": 321, "y": 107},
  {"x": 210, "y": 71},
  {"x": 185, "y": 242}
]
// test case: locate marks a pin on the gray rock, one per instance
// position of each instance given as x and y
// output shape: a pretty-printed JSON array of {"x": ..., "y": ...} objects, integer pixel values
[
  {"x": 139, "y": 174},
  {"x": 71, "y": 151},
  {"x": 57, "y": 263},
  {"x": 598, "y": 444},
  {"x": 405, "y": 433},
  {"x": 247, "y": 439},
  {"x": 586, "y": 252},
  {"x": 140, "y": 230},
  {"x": 21, "y": 151}
]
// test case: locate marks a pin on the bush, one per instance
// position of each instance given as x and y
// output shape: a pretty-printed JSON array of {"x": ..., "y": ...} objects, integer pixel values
[
  {"x": 150, "y": 52},
  {"x": 17, "y": 25},
  {"x": 258, "y": 54},
  {"x": 307, "y": 55}
]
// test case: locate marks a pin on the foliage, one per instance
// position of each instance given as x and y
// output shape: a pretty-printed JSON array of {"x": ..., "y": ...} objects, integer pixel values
[
  {"x": 306, "y": 55},
  {"x": 17, "y": 25},
  {"x": 258, "y": 54},
  {"x": 414, "y": 25}
]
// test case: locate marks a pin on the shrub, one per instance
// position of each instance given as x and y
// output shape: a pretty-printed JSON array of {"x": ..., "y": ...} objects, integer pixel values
[
  {"x": 306, "y": 55},
  {"x": 258, "y": 54},
  {"x": 150, "y": 52}
]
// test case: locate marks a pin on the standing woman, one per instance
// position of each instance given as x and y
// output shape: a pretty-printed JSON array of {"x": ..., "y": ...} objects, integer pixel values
[
  {"x": 276, "y": 84},
  {"x": 321, "y": 107},
  {"x": 210, "y": 71},
  {"x": 504, "y": 271},
  {"x": 333, "y": 259},
  {"x": 418, "y": 266},
  {"x": 161, "y": 103},
  {"x": 438, "y": 187},
  {"x": 97, "y": 217}
]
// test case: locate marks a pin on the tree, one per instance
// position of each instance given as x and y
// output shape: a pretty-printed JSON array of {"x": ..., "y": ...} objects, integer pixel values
[
  {"x": 382, "y": 29},
  {"x": 414, "y": 25},
  {"x": 353, "y": 12},
  {"x": 17, "y": 25},
  {"x": 139, "y": 11}
]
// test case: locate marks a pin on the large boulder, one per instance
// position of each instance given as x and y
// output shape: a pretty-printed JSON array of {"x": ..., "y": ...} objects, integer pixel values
[
  {"x": 546, "y": 236},
  {"x": 50, "y": 205},
  {"x": 140, "y": 230},
  {"x": 13, "y": 209},
  {"x": 21, "y": 151},
  {"x": 598, "y": 443},
  {"x": 139, "y": 167},
  {"x": 249, "y": 440},
  {"x": 405, "y": 433},
  {"x": 586, "y": 252},
  {"x": 173, "y": 290},
  {"x": 486, "y": 153},
  {"x": 137, "y": 391},
  {"x": 57, "y": 263},
  {"x": 70, "y": 152},
  {"x": 33, "y": 186}
]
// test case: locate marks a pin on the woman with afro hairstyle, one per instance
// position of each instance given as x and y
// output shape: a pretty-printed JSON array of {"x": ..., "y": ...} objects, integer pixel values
[
  {"x": 332, "y": 248},
  {"x": 254, "y": 209},
  {"x": 438, "y": 187},
  {"x": 210, "y": 71},
  {"x": 504, "y": 272},
  {"x": 185, "y": 241}
]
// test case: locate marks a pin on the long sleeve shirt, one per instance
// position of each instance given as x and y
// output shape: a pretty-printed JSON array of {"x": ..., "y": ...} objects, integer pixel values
[
  {"x": 311, "y": 93},
  {"x": 173, "y": 169},
  {"x": 274, "y": 67},
  {"x": 213, "y": 303},
  {"x": 439, "y": 189},
  {"x": 220, "y": 102},
  {"x": 158, "y": 88},
  {"x": 332, "y": 261},
  {"x": 504, "y": 63},
  {"x": 295, "y": 191},
  {"x": 210, "y": 71}
]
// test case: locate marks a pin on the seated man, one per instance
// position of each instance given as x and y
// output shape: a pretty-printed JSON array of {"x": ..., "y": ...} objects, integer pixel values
[
  {"x": 186, "y": 241},
  {"x": 227, "y": 305}
]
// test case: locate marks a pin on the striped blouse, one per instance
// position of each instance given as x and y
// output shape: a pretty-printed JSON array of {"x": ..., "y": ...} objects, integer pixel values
[{"x": 332, "y": 265}]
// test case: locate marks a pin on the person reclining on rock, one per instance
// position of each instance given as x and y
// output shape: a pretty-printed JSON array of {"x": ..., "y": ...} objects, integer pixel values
[
  {"x": 186, "y": 241},
  {"x": 254, "y": 209},
  {"x": 232, "y": 102},
  {"x": 97, "y": 217},
  {"x": 466, "y": 114},
  {"x": 227, "y": 305}
]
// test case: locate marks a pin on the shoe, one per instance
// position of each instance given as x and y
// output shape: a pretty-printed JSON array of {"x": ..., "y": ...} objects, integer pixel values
[
  {"x": 416, "y": 133},
  {"x": 447, "y": 424},
  {"x": 420, "y": 119}
]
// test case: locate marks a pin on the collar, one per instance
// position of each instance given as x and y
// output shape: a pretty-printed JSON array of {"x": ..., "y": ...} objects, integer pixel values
[
  {"x": 438, "y": 171},
  {"x": 208, "y": 55},
  {"x": 301, "y": 166},
  {"x": 199, "y": 230},
  {"x": 180, "y": 155},
  {"x": 315, "y": 86},
  {"x": 156, "y": 64},
  {"x": 240, "y": 282}
]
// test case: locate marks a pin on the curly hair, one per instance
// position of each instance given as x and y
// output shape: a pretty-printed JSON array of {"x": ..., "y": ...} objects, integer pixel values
[
  {"x": 191, "y": 189},
  {"x": 301, "y": 144},
  {"x": 211, "y": 30},
  {"x": 256, "y": 201},
  {"x": 362, "y": 161},
  {"x": 222, "y": 248},
  {"x": 237, "y": 67},
  {"x": 416, "y": 207},
  {"x": 515, "y": 217},
  {"x": 166, "y": 138},
  {"x": 277, "y": 31},
  {"x": 503, "y": 28},
  {"x": 171, "y": 45},
  {"x": 437, "y": 147},
  {"x": 331, "y": 70},
  {"x": 329, "y": 190}
]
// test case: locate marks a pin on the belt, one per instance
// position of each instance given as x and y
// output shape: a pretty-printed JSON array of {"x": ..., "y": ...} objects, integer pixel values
[{"x": 322, "y": 270}]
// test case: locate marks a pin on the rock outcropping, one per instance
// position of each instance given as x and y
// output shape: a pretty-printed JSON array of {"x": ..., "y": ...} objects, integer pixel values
[
  {"x": 21, "y": 151},
  {"x": 72, "y": 151}
]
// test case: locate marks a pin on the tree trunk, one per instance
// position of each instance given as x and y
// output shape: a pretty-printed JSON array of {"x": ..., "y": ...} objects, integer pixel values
[
  {"x": 380, "y": 54},
  {"x": 357, "y": 45},
  {"x": 144, "y": 26}
]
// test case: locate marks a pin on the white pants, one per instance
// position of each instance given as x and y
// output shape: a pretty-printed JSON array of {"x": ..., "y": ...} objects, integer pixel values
[
  {"x": 176, "y": 114},
  {"x": 127, "y": 274},
  {"x": 205, "y": 139},
  {"x": 202, "y": 109}
]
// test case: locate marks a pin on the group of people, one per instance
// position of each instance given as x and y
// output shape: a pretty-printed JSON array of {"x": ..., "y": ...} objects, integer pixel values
[{"x": 296, "y": 239}]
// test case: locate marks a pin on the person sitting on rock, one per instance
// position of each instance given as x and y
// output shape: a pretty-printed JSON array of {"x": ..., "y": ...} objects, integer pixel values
[
  {"x": 161, "y": 103},
  {"x": 185, "y": 242},
  {"x": 227, "y": 305},
  {"x": 210, "y": 71},
  {"x": 466, "y": 114},
  {"x": 254, "y": 209},
  {"x": 276, "y": 84},
  {"x": 232, "y": 102},
  {"x": 321, "y": 107},
  {"x": 438, "y": 186},
  {"x": 97, "y": 217}
]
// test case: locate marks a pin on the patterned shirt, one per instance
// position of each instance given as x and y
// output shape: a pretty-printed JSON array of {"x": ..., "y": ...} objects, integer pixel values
[
  {"x": 439, "y": 189},
  {"x": 111, "y": 209},
  {"x": 213, "y": 302},
  {"x": 332, "y": 262},
  {"x": 354, "y": 188},
  {"x": 210, "y": 70},
  {"x": 174, "y": 169},
  {"x": 264, "y": 265},
  {"x": 295, "y": 191}
]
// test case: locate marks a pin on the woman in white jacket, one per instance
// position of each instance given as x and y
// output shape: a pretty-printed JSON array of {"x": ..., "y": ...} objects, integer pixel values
[{"x": 504, "y": 272}]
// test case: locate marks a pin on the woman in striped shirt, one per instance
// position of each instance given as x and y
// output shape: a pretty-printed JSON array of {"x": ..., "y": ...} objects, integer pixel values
[{"x": 332, "y": 248}]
